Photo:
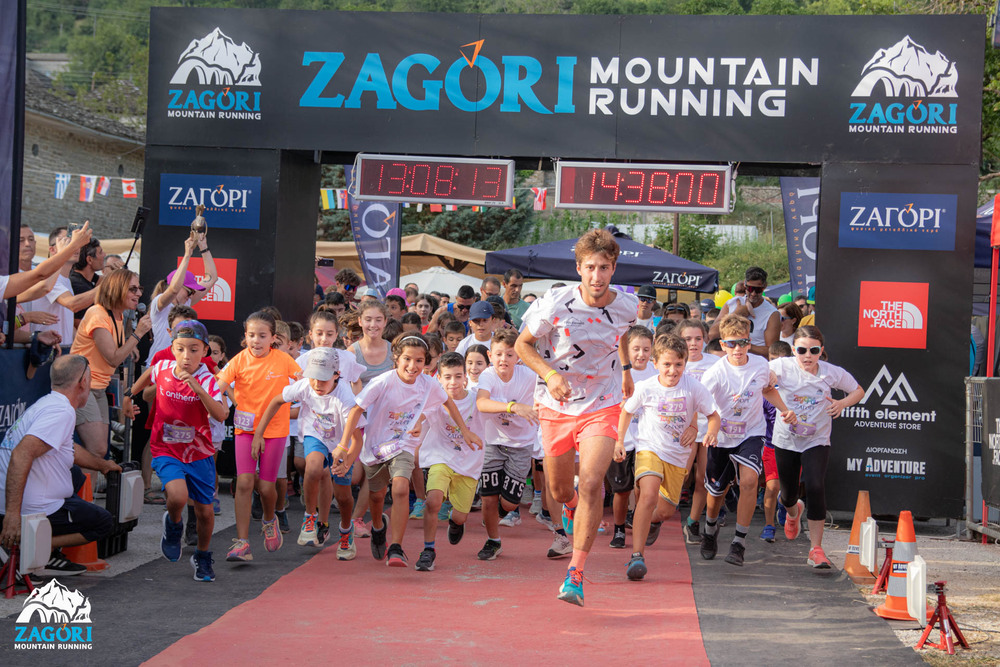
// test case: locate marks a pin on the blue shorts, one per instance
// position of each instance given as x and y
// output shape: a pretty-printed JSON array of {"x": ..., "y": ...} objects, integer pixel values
[
  {"x": 199, "y": 475},
  {"x": 311, "y": 444}
]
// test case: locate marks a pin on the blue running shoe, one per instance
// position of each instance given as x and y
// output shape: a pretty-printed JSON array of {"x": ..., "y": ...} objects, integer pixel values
[
  {"x": 636, "y": 568},
  {"x": 572, "y": 588},
  {"x": 567, "y": 519},
  {"x": 767, "y": 534},
  {"x": 202, "y": 561},
  {"x": 445, "y": 512},
  {"x": 781, "y": 515},
  {"x": 170, "y": 540}
]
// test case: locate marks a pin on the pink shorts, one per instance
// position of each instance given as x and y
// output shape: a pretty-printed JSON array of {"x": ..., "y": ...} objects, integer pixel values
[
  {"x": 270, "y": 458},
  {"x": 563, "y": 433},
  {"x": 770, "y": 465}
]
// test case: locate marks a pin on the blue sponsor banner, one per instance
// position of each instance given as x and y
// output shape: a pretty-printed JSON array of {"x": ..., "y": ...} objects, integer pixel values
[
  {"x": 377, "y": 235},
  {"x": 800, "y": 201},
  {"x": 232, "y": 202},
  {"x": 897, "y": 221}
]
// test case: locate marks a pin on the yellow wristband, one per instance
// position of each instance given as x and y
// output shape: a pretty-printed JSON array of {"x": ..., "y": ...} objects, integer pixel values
[
  {"x": 510, "y": 406},
  {"x": 549, "y": 375}
]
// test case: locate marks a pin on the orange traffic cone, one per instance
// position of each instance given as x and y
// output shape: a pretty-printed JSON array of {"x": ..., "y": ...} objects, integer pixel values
[
  {"x": 905, "y": 549},
  {"x": 86, "y": 554},
  {"x": 858, "y": 573}
]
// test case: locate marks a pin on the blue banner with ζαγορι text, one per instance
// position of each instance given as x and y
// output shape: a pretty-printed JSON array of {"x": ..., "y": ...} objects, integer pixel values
[{"x": 800, "y": 199}]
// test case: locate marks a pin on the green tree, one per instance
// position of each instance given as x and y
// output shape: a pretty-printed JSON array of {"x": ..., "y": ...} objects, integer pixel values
[{"x": 697, "y": 242}]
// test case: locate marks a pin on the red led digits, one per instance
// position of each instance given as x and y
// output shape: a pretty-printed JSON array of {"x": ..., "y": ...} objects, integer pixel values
[
  {"x": 494, "y": 180},
  {"x": 636, "y": 186},
  {"x": 713, "y": 190},
  {"x": 658, "y": 193},
  {"x": 453, "y": 180}
]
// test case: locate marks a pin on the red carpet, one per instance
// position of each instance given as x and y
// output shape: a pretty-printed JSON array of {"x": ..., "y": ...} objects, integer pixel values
[{"x": 498, "y": 612}]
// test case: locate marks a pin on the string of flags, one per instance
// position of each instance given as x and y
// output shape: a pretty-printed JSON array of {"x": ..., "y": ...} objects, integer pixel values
[
  {"x": 94, "y": 185},
  {"x": 336, "y": 198}
]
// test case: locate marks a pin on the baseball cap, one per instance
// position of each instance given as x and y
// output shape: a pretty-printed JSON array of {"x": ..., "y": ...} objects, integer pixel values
[
  {"x": 785, "y": 298},
  {"x": 707, "y": 305},
  {"x": 190, "y": 329},
  {"x": 322, "y": 365},
  {"x": 362, "y": 292},
  {"x": 397, "y": 291},
  {"x": 811, "y": 298},
  {"x": 189, "y": 281},
  {"x": 646, "y": 291},
  {"x": 481, "y": 310}
]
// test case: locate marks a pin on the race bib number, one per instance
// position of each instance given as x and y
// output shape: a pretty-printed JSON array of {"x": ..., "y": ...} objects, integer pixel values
[
  {"x": 243, "y": 420},
  {"x": 736, "y": 429},
  {"x": 673, "y": 406},
  {"x": 803, "y": 429},
  {"x": 387, "y": 450},
  {"x": 178, "y": 434}
]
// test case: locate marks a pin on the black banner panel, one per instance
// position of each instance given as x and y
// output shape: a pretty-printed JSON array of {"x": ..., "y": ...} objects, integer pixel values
[
  {"x": 896, "y": 245},
  {"x": 688, "y": 88},
  {"x": 991, "y": 442}
]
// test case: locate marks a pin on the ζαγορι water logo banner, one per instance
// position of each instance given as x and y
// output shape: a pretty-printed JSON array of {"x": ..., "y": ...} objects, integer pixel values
[
  {"x": 897, "y": 221},
  {"x": 230, "y": 201}
]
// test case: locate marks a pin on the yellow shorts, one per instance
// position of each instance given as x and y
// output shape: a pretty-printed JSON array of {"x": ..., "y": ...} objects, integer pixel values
[
  {"x": 459, "y": 489},
  {"x": 671, "y": 476}
]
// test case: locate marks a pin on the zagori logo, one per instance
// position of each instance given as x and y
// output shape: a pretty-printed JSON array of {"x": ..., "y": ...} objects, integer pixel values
[
  {"x": 230, "y": 201},
  {"x": 54, "y": 617},
  {"x": 219, "y": 65},
  {"x": 906, "y": 70},
  {"x": 899, "y": 390},
  {"x": 897, "y": 221}
]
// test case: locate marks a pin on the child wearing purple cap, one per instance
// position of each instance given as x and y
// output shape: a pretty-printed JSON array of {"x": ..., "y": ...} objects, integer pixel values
[{"x": 180, "y": 288}]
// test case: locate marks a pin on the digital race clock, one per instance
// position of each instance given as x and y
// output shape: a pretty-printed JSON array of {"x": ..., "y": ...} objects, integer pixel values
[
  {"x": 407, "y": 178},
  {"x": 644, "y": 187}
]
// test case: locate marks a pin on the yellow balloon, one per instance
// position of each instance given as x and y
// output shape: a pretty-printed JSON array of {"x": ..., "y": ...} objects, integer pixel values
[{"x": 721, "y": 297}]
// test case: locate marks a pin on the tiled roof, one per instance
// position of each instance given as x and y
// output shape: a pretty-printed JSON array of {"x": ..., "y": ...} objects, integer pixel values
[{"x": 39, "y": 97}]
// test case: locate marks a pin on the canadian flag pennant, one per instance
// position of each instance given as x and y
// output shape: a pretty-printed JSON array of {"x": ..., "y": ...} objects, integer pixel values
[
  {"x": 128, "y": 188},
  {"x": 88, "y": 185},
  {"x": 541, "y": 194},
  {"x": 450, "y": 207},
  {"x": 62, "y": 182},
  {"x": 103, "y": 185}
]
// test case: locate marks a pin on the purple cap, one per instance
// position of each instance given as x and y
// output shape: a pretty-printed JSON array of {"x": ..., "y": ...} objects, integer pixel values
[
  {"x": 189, "y": 281},
  {"x": 397, "y": 291}
]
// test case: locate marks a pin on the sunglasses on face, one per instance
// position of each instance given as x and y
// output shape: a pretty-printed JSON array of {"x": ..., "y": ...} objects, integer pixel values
[
  {"x": 459, "y": 306},
  {"x": 785, "y": 319},
  {"x": 350, "y": 288},
  {"x": 754, "y": 288},
  {"x": 816, "y": 349},
  {"x": 735, "y": 342},
  {"x": 675, "y": 309},
  {"x": 647, "y": 299},
  {"x": 135, "y": 289}
]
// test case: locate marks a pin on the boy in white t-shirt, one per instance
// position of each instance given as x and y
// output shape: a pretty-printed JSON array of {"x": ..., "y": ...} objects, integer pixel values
[
  {"x": 482, "y": 323},
  {"x": 453, "y": 467},
  {"x": 667, "y": 406},
  {"x": 506, "y": 397},
  {"x": 739, "y": 383},
  {"x": 621, "y": 473}
]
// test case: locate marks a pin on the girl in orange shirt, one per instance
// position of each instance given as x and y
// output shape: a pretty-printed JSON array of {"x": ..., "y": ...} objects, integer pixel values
[{"x": 255, "y": 376}]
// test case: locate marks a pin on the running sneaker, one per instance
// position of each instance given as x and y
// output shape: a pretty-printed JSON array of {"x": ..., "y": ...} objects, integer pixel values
[
  {"x": 445, "y": 512},
  {"x": 760, "y": 499},
  {"x": 170, "y": 539},
  {"x": 722, "y": 517},
  {"x": 477, "y": 503},
  {"x": 346, "y": 549},
  {"x": 378, "y": 538},
  {"x": 536, "y": 504},
  {"x": 256, "y": 509},
  {"x": 768, "y": 533},
  {"x": 361, "y": 528},
  {"x": 709, "y": 546},
  {"x": 692, "y": 534},
  {"x": 561, "y": 546},
  {"x": 191, "y": 532},
  {"x": 396, "y": 557},
  {"x": 732, "y": 498},
  {"x": 307, "y": 536},
  {"x": 512, "y": 519},
  {"x": 272, "y": 534},
  {"x": 567, "y": 519},
  {"x": 418, "y": 509},
  {"x": 654, "y": 532},
  {"x": 282, "y": 520},
  {"x": 818, "y": 559},
  {"x": 216, "y": 506},
  {"x": 322, "y": 533},
  {"x": 628, "y": 519},
  {"x": 545, "y": 521},
  {"x": 794, "y": 524},
  {"x": 239, "y": 551},
  {"x": 636, "y": 569},
  {"x": 735, "y": 556},
  {"x": 490, "y": 550},
  {"x": 572, "y": 588},
  {"x": 455, "y": 532},
  {"x": 202, "y": 562},
  {"x": 618, "y": 541},
  {"x": 425, "y": 562},
  {"x": 782, "y": 513},
  {"x": 60, "y": 566}
]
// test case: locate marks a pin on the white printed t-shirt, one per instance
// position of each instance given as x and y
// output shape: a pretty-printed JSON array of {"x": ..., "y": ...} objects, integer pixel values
[
  {"x": 49, "y": 304},
  {"x": 737, "y": 393},
  {"x": 322, "y": 417},
  {"x": 581, "y": 343},
  {"x": 469, "y": 341},
  {"x": 806, "y": 395},
  {"x": 443, "y": 441},
  {"x": 664, "y": 413},
  {"x": 696, "y": 369},
  {"x": 503, "y": 428},
  {"x": 393, "y": 410},
  {"x": 633, "y": 428},
  {"x": 350, "y": 371}
]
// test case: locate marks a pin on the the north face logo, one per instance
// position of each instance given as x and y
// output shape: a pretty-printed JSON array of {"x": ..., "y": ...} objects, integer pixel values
[
  {"x": 217, "y": 60},
  {"x": 906, "y": 69}
]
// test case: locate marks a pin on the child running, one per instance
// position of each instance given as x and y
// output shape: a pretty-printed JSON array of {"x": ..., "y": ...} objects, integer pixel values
[
  {"x": 181, "y": 441},
  {"x": 667, "y": 406},
  {"x": 453, "y": 466},
  {"x": 739, "y": 383},
  {"x": 506, "y": 396},
  {"x": 395, "y": 402},
  {"x": 477, "y": 360},
  {"x": 256, "y": 375}
]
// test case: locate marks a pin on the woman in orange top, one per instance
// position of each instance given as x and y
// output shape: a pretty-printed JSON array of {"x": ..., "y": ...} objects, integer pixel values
[
  {"x": 101, "y": 338},
  {"x": 256, "y": 375}
]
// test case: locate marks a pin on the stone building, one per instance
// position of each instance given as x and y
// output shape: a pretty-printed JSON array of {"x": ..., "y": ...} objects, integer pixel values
[{"x": 62, "y": 137}]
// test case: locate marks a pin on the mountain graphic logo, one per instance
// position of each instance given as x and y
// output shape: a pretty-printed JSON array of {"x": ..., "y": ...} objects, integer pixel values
[
  {"x": 899, "y": 390},
  {"x": 218, "y": 60},
  {"x": 907, "y": 69},
  {"x": 54, "y": 604}
]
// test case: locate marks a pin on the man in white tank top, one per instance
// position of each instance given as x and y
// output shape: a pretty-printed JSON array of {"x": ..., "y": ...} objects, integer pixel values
[{"x": 764, "y": 317}]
